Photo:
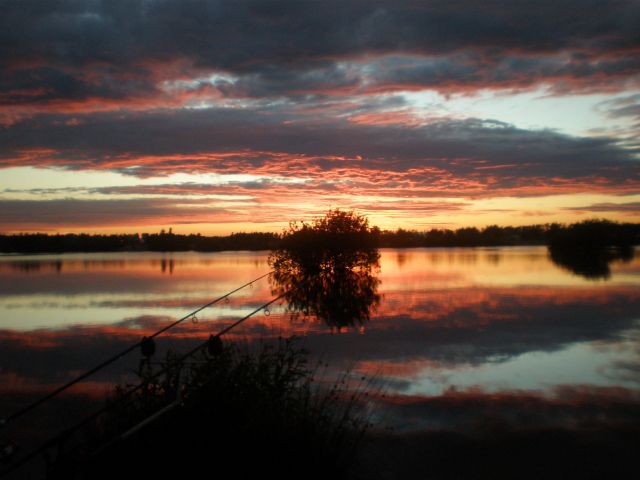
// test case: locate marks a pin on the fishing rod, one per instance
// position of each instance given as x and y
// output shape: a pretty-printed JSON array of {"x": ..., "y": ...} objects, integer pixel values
[
  {"x": 144, "y": 342},
  {"x": 69, "y": 431}
]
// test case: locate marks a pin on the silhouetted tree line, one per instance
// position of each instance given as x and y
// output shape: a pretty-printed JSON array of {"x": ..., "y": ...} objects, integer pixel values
[
  {"x": 161, "y": 242},
  {"x": 594, "y": 234},
  {"x": 465, "y": 237},
  {"x": 597, "y": 233},
  {"x": 590, "y": 233}
]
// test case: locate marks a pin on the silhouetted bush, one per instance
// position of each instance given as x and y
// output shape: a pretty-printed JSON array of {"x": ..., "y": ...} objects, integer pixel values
[
  {"x": 338, "y": 237},
  {"x": 253, "y": 414},
  {"x": 326, "y": 268}
]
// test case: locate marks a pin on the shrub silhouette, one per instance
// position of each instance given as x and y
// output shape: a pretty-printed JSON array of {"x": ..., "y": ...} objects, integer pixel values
[
  {"x": 255, "y": 413},
  {"x": 326, "y": 268},
  {"x": 338, "y": 237}
]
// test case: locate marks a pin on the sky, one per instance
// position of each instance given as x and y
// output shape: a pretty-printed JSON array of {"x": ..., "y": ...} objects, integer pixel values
[{"x": 226, "y": 116}]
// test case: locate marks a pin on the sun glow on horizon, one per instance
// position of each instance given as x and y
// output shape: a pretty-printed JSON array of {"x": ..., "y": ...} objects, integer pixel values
[{"x": 416, "y": 116}]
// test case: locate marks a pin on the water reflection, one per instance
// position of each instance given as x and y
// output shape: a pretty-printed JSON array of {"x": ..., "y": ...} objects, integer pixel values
[
  {"x": 35, "y": 266},
  {"x": 590, "y": 263},
  {"x": 339, "y": 289},
  {"x": 476, "y": 320},
  {"x": 170, "y": 264}
]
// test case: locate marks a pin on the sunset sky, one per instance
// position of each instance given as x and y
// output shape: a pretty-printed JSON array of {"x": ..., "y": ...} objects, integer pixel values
[{"x": 215, "y": 117}]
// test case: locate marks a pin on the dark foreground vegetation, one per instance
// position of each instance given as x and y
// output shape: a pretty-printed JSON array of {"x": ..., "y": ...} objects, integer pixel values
[
  {"x": 260, "y": 413},
  {"x": 242, "y": 413},
  {"x": 590, "y": 232}
]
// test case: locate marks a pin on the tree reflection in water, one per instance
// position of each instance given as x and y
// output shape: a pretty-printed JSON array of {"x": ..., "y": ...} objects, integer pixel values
[
  {"x": 328, "y": 270},
  {"x": 590, "y": 263},
  {"x": 588, "y": 248}
]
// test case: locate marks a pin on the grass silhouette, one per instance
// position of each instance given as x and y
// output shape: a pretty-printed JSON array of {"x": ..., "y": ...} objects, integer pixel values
[{"x": 246, "y": 410}]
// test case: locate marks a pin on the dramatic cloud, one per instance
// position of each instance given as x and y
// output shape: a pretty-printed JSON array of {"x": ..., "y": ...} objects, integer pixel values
[
  {"x": 30, "y": 213},
  {"x": 238, "y": 141},
  {"x": 349, "y": 100},
  {"x": 111, "y": 50},
  {"x": 631, "y": 207}
]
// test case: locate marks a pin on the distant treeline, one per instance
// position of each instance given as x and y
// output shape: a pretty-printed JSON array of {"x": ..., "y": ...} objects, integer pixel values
[
  {"x": 590, "y": 233},
  {"x": 157, "y": 242},
  {"x": 466, "y": 237}
]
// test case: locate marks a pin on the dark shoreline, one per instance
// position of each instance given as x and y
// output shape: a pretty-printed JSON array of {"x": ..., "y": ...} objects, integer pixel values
[
  {"x": 585, "y": 235},
  {"x": 465, "y": 247}
]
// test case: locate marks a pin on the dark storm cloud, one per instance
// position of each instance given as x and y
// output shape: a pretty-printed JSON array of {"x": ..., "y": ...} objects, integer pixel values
[
  {"x": 56, "y": 49},
  {"x": 628, "y": 111},
  {"x": 625, "y": 107},
  {"x": 629, "y": 207},
  {"x": 23, "y": 213},
  {"x": 453, "y": 73},
  {"x": 267, "y": 141},
  {"x": 289, "y": 89},
  {"x": 46, "y": 84},
  {"x": 243, "y": 34}
]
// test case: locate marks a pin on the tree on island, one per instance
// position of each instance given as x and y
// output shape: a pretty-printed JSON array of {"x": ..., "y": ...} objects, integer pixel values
[
  {"x": 589, "y": 247},
  {"x": 326, "y": 268},
  {"x": 339, "y": 236}
]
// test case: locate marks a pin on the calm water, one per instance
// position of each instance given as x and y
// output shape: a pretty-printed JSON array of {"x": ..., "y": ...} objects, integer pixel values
[{"x": 456, "y": 333}]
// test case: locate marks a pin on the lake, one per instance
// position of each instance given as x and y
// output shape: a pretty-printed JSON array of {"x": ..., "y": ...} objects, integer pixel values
[{"x": 454, "y": 336}]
